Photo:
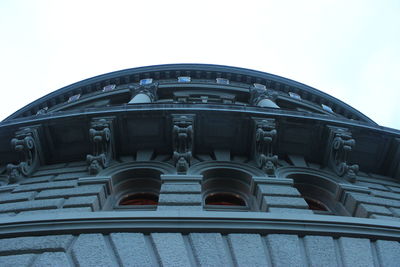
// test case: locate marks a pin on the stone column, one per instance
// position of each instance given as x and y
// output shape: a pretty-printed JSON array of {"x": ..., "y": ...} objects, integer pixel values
[{"x": 144, "y": 94}]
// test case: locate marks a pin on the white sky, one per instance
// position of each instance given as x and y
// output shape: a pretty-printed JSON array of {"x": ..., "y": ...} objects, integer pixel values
[{"x": 349, "y": 49}]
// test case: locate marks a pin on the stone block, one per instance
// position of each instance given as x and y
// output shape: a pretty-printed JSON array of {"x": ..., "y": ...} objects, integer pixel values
[
  {"x": 394, "y": 189},
  {"x": 51, "y": 166},
  {"x": 365, "y": 210},
  {"x": 15, "y": 197},
  {"x": 180, "y": 188},
  {"x": 209, "y": 249},
  {"x": 178, "y": 207},
  {"x": 385, "y": 194},
  {"x": 180, "y": 199},
  {"x": 353, "y": 199},
  {"x": 248, "y": 249},
  {"x": 55, "y": 211},
  {"x": 70, "y": 176},
  {"x": 31, "y": 205},
  {"x": 285, "y": 202},
  {"x": 276, "y": 190},
  {"x": 131, "y": 249},
  {"x": 373, "y": 186},
  {"x": 40, "y": 179},
  {"x": 89, "y": 201},
  {"x": 44, "y": 186},
  {"x": 356, "y": 252},
  {"x": 388, "y": 252},
  {"x": 60, "y": 170},
  {"x": 83, "y": 190},
  {"x": 171, "y": 249},
  {"x": 289, "y": 210},
  {"x": 320, "y": 251},
  {"x": 382, "y": 217},
  {"x": 34, "y": 244},
  {"x": 17, "y": 260},
  {"x": 52, "y": 259},
  {"x": 91, "y": 250},
  {"x": 284, "y": 250}
]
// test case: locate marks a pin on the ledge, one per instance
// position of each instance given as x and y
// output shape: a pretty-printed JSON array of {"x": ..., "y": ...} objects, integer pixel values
[{"x": 190, "y": 221}]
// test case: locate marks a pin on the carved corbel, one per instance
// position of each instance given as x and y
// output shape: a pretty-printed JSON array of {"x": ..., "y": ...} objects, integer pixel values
[
  {"x": 265, "y": 137},
  {"x": 148, "y": 89},
  {"x": 102, "y": 137},
  {"x": 340, "y": 144},
  {"x": 27, "y": 144},
  {"x": 182, "y": 141}
]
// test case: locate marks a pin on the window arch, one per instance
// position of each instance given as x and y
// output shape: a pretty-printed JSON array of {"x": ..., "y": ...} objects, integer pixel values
[
  {"x": 227, "y": 189},
  {"x": 137, "y": 188},
  {"x": 319, "y": 192}
]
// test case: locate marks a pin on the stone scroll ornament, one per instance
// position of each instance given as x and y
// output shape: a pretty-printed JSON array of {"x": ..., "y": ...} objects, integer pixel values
[
  {"x": 340, "y": 145},
  {"x": 101, "y": 135},
  {"x": 27, "y": 144},
  {"x": 182, "y": 141},
  {"x": 265, "y": 137}
]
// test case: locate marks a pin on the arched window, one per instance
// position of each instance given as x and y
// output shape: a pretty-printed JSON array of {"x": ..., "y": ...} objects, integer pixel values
[
  {"x": 136, "y": 189},
  {"x": 319, "y": 193},
  {"x": 226, "y": 189}
]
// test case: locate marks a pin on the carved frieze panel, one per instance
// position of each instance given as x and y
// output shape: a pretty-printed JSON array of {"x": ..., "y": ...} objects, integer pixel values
[
  {"x": 264, "y": 138},
  {"x": 102, "y": 137},
  {"x": 27, "y": 144},
  {"x": 182, "y": 140},
  {"x": 339, "y": 146}
]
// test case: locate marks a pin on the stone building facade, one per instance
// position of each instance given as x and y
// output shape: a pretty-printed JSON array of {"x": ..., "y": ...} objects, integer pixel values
[{"x": 197, "y": 165}]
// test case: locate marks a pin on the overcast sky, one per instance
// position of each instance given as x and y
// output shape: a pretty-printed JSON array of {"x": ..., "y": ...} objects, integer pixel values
[{"x": 349, "y": 49}]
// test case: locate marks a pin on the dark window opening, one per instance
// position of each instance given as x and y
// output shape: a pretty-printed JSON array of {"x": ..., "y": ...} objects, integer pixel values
[
  {"x": 315, "y": 204},
  {"x": 139, "y": 199},
  {"x": 224, "y": 199}
]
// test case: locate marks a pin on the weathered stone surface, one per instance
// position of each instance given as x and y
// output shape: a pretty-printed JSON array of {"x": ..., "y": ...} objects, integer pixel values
[
  {"x": 91, "y": 201},
  {"x": 70, "y": 176},
  {"x": 17, "y": 260},
  {"x": 34, "y": 244},
  {"x": 320, "y": 251},
  {"x": 131, "y": 249},
  {"x": 171, "y": 249},
  {"x": 40, "y": 179},
  {"x": 52, "y": 259},
  {"x": 43, "y": 186},
  {"x": 83, "y": 190},
  {"x": 248, "y": 249},
  {"x": 182, "y": 199},
  {"x": 385, "y": 194},
  {"x": 382, "y": 217},
  {"x": 353, "y": 199},
  {"x": 91, "y": 250},
  {"x": 54, "y": 211},
  {"x": 289, "y": 210},
  {"x": 365, "y": 210},
  {"x": 285, "y": 202},
  {"x": 373, "y": 186},
  {"x": 178, "y": 207},
  {"x": 180, "y": 188},
  {"x": 52, "y": 166},
  {"x": 14, "y": 197},
  {"x": 394, "y": 189},
  {"x": 209, "y": 249},
  {"x": 31, "y": 205},
  {"x": 388, "y": 252},
  {"x": 277, "y": 190},
  {"x": 285, "y": 250},
  {"x": 356, "y": 252},
  {"x": 60, "y": 170}
]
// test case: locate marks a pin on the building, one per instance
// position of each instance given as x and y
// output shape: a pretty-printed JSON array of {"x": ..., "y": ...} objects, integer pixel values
[{"x": 190, "y": 164}]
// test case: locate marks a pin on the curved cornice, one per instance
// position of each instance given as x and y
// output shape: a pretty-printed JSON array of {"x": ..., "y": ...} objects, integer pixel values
[{"x": 244, "y": 75}]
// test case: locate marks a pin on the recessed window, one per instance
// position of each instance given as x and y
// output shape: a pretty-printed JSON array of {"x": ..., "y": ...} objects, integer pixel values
[
  {"x": 74, "y": 98},
  {"x": 146, "y": 81},
  {"x": 109, "y": 87},
  {"x": 184, "y": 79},
  {"x": 315, "y": 204},
  {"x": 225, "y": 199},
  {"x": 137, "y": 199},
  {"x": 222, "y": 81}
]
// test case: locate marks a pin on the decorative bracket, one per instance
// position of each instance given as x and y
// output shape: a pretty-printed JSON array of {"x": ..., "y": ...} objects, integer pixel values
[
  {"x": 27, "y": 143},
  {"x": 102, "y": 137},
  {"x": 182, "y": 141},
  {"x": 265, "y": 137},
  {"x": 340, "y": 144},
  {"x": 149, "y": 89}
]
